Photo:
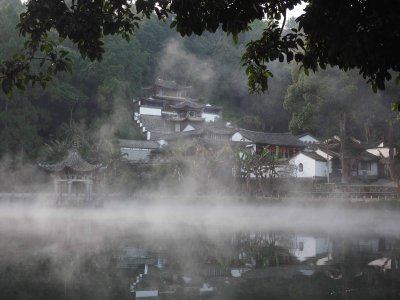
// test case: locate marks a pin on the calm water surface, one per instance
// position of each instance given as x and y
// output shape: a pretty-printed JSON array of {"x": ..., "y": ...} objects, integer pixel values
[{"x": 194, "y": 251}]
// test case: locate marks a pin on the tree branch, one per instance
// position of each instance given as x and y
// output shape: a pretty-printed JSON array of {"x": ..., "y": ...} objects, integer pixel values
[{"x": 283, "y": 23}]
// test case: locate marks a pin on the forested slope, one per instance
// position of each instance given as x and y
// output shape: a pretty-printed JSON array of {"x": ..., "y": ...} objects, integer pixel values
[{"x": 94, "y": 99}]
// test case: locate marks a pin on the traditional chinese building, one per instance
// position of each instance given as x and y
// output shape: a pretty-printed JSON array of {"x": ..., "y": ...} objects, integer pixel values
[
  {"x": 283, "y": 145},
  {"x": 188, "y": 116},
  {"x": 73, "y": 178},
  {"x": 169, "y": 109},
  {"x": 169, "y": 115}
]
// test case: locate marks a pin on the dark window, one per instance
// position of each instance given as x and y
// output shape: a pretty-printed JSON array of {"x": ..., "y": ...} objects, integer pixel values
[
  {"x": 300, "y": 167},
  {"x": 365, "y": 165},
  {"x": 301, "y": 246}
]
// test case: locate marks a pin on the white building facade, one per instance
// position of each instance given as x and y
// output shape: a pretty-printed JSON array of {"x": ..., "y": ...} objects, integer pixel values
[{"x": 310, "y": 165}]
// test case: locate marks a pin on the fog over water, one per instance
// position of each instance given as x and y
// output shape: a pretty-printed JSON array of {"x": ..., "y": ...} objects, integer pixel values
[
  {"x": 170, "y": 218},
  {"x": 74, "y": 252}
]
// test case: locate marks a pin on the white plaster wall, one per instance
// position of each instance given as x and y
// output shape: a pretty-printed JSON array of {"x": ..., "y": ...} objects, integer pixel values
[
  {"x": 210, "y": 117},
  {"x": 320, "y": 168},
  {"x": 326, "y": 156},
  {"x": 188, "y": 128},
  {"x": 237, "y": 137},
  {"x": 162, "y": 143},
  {"x": 309, "y": 247},
  {"x": 380, "y": 152},
  {"x": 150, "y": 111},
  {"x": 308, "y": 166}
]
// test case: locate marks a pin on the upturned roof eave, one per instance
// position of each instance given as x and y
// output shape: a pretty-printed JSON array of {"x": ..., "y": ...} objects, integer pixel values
[{"x": 71, "y": 161}]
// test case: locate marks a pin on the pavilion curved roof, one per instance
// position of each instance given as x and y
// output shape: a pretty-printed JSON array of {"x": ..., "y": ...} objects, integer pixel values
[{"x": 74, "y": 161}]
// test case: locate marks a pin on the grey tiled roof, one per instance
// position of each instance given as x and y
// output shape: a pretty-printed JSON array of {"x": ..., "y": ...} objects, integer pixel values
[
  {"x": 188, "y": 104},
  {"x": 183, "y": 134},
  {"x": 268, "y": 138},
  {"x": 198, "y": 132},
  {"x": 222, "y": 131},
  {"x": 314, "y": 156},
  {"x": 330, "y": 152},
  {"x": 156, "y": 136},
  {"x": 73, "y": 161},
  {"x": 212, "y": 108},
  {"x": 366, "y": 156},
  {"x": 156, "y": 123},
  {"x": 141, "y": 144}
]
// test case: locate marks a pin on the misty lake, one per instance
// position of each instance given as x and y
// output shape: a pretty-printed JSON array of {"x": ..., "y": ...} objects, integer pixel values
[{"x": 194, "y": 251}]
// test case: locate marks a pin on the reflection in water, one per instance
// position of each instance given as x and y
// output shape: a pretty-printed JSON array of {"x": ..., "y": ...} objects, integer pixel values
[{"x": 194, "y": 252}]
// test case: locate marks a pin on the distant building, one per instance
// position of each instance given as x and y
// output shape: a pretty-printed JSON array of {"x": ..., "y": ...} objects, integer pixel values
[
  {"x": 361, "y": 164},
  {"x": 138, "y": 151},
  {"x": 324, "y": 160},
  {"x": 309, "y": 247},
  {"x": 284, "y": 145},
  {"x": 169, "y": 109},
  {"x": 169, "y": 115},
  {"x": 382, "y": 152},
  {"x": 308, "y": 138},
  {"x": 188, "y": 116},
  {"x": 211, "y": 113},
  {"x": 310, "y": 165},
  {"x": 169, "y": 89},
  {"x": 133, "y": 258}
]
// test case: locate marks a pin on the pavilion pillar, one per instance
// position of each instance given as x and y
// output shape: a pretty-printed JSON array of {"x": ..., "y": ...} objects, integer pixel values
[
  {"x": 69, "y": 187},
  {"x": 86, "y": 190},
  {"x": 55, "y": 186},
  {"x": 57, "y": 190},
  {"x": 88, "y": 193},
  {"x": 90, "y": 190}
]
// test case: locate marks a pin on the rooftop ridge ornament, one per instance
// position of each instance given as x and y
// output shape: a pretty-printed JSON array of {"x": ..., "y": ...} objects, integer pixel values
[{"x": 75, "y": 144}]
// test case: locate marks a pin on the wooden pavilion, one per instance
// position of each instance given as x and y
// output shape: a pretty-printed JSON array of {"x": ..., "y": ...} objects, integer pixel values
[{"x": 73, "y": 178}]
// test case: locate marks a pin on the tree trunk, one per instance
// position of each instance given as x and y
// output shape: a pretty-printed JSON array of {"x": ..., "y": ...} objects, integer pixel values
[
  {"x": 6, "y": 125},
  {"x": 343, "y": 146},
  {"x": 392, "y": 165},
  {"x": 367, "y": 132},
  {"x": 70, "y": 117},
  {"x": 327, "y": 162}
]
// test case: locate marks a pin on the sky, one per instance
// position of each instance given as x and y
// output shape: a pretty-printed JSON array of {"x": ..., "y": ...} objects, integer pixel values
[{"x": 297, "y": 11}]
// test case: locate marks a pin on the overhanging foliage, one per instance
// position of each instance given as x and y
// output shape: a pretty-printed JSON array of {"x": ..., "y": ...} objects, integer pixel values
[{"x": 350, "y": 34}]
